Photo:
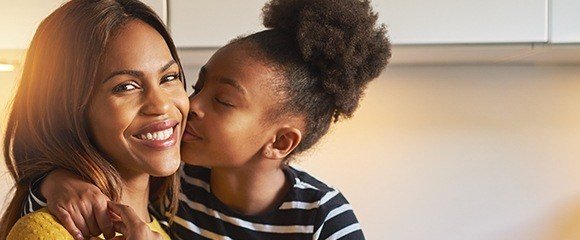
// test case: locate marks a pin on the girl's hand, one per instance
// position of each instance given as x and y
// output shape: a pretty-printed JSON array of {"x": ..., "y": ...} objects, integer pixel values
[
  {"x": 81, "y": 207},
  {"x": 126, "y": 222}
]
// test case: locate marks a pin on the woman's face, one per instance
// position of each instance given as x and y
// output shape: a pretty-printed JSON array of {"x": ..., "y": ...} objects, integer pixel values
[
  {"x": 226, "y": 126},
  {"x": 139, "y": 107}
]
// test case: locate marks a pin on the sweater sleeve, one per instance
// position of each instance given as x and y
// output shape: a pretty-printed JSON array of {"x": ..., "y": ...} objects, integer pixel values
[
  {"x": 336, "y": 220},
  {"x": 34, "y": 201},
  {"x": 38, "y": 225}
]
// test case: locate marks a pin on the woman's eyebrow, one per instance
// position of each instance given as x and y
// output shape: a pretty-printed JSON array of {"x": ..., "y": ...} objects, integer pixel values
[
  {"x": 136, "y": 73},
  {"x": 167, "y": 65}
]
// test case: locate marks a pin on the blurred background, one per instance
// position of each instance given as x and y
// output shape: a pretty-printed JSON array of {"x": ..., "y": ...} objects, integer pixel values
[{"x": 472, "y": 132}]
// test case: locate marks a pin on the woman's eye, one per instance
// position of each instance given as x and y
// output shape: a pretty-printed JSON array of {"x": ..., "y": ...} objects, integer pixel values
[
  {"x": 171, "y": 77},
  {"x": 125, "y": 87}
]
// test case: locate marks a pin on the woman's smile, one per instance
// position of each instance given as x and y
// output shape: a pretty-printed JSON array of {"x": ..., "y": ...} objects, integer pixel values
[{"x": 158, "y": 135}]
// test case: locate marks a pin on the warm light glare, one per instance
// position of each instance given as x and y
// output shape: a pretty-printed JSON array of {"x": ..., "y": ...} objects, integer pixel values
[{"x": 6, "y": 67}]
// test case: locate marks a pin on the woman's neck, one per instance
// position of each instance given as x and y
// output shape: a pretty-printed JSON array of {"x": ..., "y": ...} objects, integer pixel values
[
  {"x": 253, "y": 189},
  {"x": 136, "y": 194}
]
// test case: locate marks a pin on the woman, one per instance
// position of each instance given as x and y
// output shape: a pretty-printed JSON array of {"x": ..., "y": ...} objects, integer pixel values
[{"x": 101, "y": 95}]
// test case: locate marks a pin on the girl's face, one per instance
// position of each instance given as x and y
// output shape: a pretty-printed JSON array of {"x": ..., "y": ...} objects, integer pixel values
[
  {"x": 139, "y": 107},
  {"x": 226, "y": 125}
]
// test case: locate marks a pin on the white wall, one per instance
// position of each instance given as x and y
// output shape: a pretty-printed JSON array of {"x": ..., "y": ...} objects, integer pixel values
[
  {"x": 472, "y": 152},
  {"x": 461, "y": 153}
]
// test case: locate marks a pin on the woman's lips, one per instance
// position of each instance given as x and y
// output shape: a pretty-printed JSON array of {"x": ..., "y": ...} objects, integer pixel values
[
  {"x": 158, "y": 135},
  {"x": 157, "y": 126}
]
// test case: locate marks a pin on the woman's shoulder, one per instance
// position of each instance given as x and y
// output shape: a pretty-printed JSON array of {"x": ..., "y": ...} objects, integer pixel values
[
  {"x": 38, "y": 225},
  {"x": 155, "y": 226}
]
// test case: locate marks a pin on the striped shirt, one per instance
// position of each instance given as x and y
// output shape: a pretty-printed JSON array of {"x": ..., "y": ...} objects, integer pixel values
[{"x": 309, "y": 210}]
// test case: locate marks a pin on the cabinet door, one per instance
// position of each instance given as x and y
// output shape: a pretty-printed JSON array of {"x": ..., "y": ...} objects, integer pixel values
[
  {"x": 565, "y": 25},
  {"x": 200, "y": 24},
  {"x": 464, "y": 21},
  {"x": 19, "y": 19},
  {"x": 214, "y": 23}
]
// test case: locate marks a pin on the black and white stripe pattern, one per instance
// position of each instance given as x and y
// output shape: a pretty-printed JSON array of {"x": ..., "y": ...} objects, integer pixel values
[
  {"x": 34, "y": 200},
  {"x": 311, "y": 210}
]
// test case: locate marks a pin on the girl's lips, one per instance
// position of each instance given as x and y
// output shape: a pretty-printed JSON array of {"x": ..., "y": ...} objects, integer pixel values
[{"x": 190, "y": 134}]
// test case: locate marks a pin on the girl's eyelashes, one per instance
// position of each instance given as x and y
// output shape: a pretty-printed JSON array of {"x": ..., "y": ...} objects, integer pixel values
[
  {"x": 125, "y": 87},
  {"x": 227, "y": 104},
  {"x": 199, "y": 86}
]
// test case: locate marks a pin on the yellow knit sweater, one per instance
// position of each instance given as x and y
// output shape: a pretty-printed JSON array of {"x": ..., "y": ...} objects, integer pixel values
[{"x": 41, "y": 225}]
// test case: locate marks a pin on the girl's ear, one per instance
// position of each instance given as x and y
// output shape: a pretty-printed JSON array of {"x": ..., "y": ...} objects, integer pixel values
[{"x": 286, "y": 140}]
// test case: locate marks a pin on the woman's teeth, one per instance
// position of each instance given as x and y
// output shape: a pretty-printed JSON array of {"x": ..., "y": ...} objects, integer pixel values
[{"x": 159, "y": 136}]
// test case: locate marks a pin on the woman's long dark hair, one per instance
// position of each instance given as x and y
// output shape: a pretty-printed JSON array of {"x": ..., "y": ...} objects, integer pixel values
[{"x": 48, "y": 126}]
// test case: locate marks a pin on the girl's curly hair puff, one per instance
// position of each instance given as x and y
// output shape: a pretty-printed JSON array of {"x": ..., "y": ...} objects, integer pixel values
[{"x": 326, "y": 52}]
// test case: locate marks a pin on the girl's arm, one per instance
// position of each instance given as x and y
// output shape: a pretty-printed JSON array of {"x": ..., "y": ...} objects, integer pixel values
[{"x": 81, "y": 207}]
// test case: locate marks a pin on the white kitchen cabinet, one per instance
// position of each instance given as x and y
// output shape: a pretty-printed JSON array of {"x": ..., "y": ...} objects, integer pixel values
[
  {"x": 19, "y": 19},
  {"x": 565, "y": 24},
  {"x": 212, "y": 23},
  {"x": 464, "y": 21}
]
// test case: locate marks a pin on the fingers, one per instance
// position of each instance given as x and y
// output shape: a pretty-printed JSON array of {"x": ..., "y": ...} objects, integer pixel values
[
  {"x": 102, "y": 217},
  {"x": 136, "y": 232},
  {"x": 120, "y": 227},
  {"x": 91, "y": 222},
  {"x": 126, "y": 213},
  {"x": 156, "y": 236},
  {"x": 80, "y": 206},
  {"x": 79, "y": 220},
  {"x": 68, "y": 223},
  {"x": 129, "y": 224}
]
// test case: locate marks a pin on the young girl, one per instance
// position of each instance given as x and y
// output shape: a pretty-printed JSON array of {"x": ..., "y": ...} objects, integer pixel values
[
  {"x": 259, "y": 101},
  {"x": 100, "y": 96}
]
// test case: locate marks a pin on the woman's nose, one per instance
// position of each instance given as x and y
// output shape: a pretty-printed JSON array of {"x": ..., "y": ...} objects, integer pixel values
[{"x": 157, "y": 102}]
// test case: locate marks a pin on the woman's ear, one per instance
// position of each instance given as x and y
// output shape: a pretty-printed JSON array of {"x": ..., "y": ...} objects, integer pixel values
[{"x": 287, "y": 139}]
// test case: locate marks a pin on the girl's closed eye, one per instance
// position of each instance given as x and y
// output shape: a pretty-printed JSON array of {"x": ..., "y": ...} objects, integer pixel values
[
  {"x": 125, "y": 87},
  {"x": 224, "y": 102}
]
